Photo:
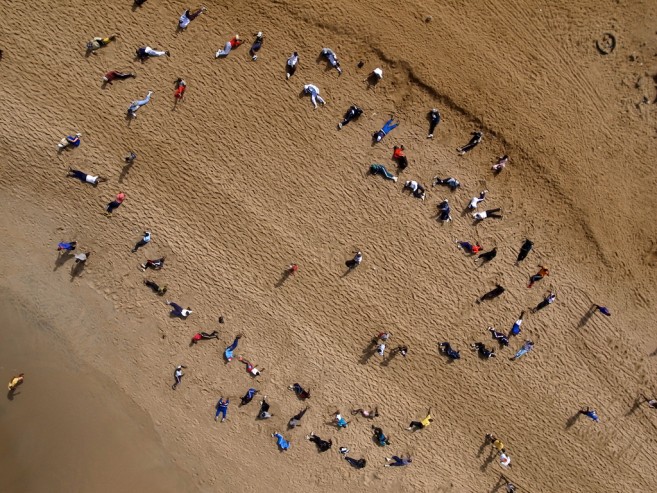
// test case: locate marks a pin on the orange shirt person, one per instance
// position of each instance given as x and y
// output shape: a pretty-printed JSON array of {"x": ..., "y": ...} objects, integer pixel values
[
  {"x": 181, "y": 87},
  {"x": 538, "y": 276}
]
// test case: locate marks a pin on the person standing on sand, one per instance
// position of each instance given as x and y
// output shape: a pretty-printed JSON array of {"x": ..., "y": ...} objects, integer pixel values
[
  {"x": 354, "y": 262},
  {"x": 590, "y": 413},
  {"x": 419, "y": 425},
  {"x": 257, "y": 44},
  {"x": 81, "y": 258},
  {"x": 66, "y": 246},
  {"x": 177, "y": 375},
  {"x": 228, "y": 352},
  {"x": 396, "y": 461},
  {"x": 352, "y": 113},
  {"x": 135, "y": 105},
  {"x": 144, "y": 241},
  {"x": 230, "y": 45},
  {"x": 222, "y": 408},
  {"x": 181, "y": 87},
  {"x": 474, "y": 142},
  {"x": 434, "y": 120},
  {"x": 188, "y": 16},
  {"x": 291, "y": 65},
  {"x": 16, "y": 381},
  {"x": 179, "y": 311},
  {"x": 113, "y": 75},
  {"x": 313, "y": 90},
  {"x": 547, "y": 301},
  {"x": 542, "y": 272},
  {"x": 602, "y": 309}
]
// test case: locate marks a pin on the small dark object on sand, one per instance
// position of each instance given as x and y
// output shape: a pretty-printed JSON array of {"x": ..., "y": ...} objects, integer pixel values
[{"x": 606, "y": 44}]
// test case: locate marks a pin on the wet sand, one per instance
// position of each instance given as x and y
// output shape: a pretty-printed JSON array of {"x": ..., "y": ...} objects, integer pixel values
[{"x": 68, "y": 427}]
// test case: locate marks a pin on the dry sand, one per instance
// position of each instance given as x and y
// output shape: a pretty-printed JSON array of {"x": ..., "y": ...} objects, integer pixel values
[{"x": 244, "y": 177}]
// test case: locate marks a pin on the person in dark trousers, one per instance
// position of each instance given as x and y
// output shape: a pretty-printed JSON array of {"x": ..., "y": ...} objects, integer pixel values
[
  {"x": 84, "y": 177},
  {"x": 296, "y": 419},
  {"x": 352, "y": 113},
  {"x": 487, "y": 256},
  {"x": 482, "y": 350},
  {"x": 146, "y": 238},
  {"x": 204, "y": 336},
  {"x": 160, "y": 290},
  {"x": 542, "y": 272},
  {"x": 331, "y": 58},
  {"x": 399, "y": 157},
  {"x": 113, "y": 75},
  {"x": 524, "y": 251},
  {"x": 450, "y": 182},
  {"x": 418, "y": 425},
  {"x": 300, "y": 392},
  {"x": 130, "y": 158},
  {"x": 120, "y": 197},
  {"x": 474, "y": 141},
  {"x": 397, "y": 461},
  {"x": 177, "y": 375},
  {"x": 322, "y": 445},
  {"x": 492, "y": 294},
  {"x": 499, "y": 337},
  {"x": 264, "y": 409},
  {"x": 602, "y": 309},
  {"x": 434, "y": 120},
  {"x": 291, "y": 65},
  {"x": 381, "y": 439},
  {"x": 354, "y": 262},
  {"x": 257, "y": 44},
  {"x": 492, "y": 213},
  {"x": 357, "y": 463},
  {"x": 179, "y": 311},
  {"x": 444, "y": 211},
  {"x": 447, "y": 349},
  {"x": 548, "y": 300},
  {"x": 248, "y": 397},
  {"x": 403, "y": 350}
]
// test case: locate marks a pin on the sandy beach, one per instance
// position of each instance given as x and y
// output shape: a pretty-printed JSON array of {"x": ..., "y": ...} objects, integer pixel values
[{"x": 243, "y": 177}]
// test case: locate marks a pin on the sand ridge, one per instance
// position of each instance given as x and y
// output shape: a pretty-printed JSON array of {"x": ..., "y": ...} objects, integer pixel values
[{"x": 243, "y": 178}]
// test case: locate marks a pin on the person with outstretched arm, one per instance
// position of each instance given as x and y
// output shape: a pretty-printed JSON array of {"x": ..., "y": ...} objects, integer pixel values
[{"x": 474, "y": 142}]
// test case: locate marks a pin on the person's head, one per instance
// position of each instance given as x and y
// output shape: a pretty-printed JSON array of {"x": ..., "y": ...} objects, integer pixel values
[
  {"x": 295, "y": 53},
  {"x": 259, "y": 35}
]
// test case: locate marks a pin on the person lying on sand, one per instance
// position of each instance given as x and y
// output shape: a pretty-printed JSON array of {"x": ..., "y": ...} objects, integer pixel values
[
  {"x": 499, "y": 337},
  {"x": 248, "y": 397},
  {"x": 113, "y": 75},
  {"x": 222, "y": 408},
  {"x": 487, "y": 256},
  {"x": 396, "y": 461},
  {"x": 313, "y": 90},
  {"x": 188, "y": 16},
  {"x": 490, "y": 213},
  {"x": 230, "y": 45},
  {"x": 492, "y": 294},
  {"x": 177, "y": 375},
  {"x": 352, "y": 114},
  {"x": 469, "y": 247},
  {"x": 380, "y": 437},
  {"x": 322, "y": 445},
  {"x": 256, "y": 45},
  {"x": 98, "y": 43},
  {"x": 434, "y": 120},
  {"x": 282, "y": 443},
  {"x": 291, "y": 65},
  {"x": 450, "y": 182},
  {"x": 179, "y": 311},
  {"x": 444, "y": 211},
  {"x": 156, "y": 264},
  {"x": 526, "y": 347},
  {"x": 419, "y": 425},
  {"x": 547, "y": 301},
  {"x": 300, "y": 391},
  {"x": 474, "y": 141},
  {"x": 135, "y": 105},
  {"x": 228, "y": 352},
  {"x": 388, "y": 127},
  {"x": 250, "y": 368},
  {"x": 204, "y": 336},
  {"x": 331, "y": 58},
  {"x": 418, "y": 191},
  {"x": 482, "y": 350},
  {"x": 160, "y": 290},
  {"x": 366, "y": 414},
  {"x": 296, "y": 419},
  {"x": 474, "y": 202},
  {"x": 399, "y": 157},
  {"x": 264, "y": 409},
  {"x": 145, "y": 52},
  {"x": 447, "y": 349}
]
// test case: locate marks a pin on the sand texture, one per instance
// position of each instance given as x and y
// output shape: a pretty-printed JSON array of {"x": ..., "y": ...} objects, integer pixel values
[{"x": 243, "y": 177}]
